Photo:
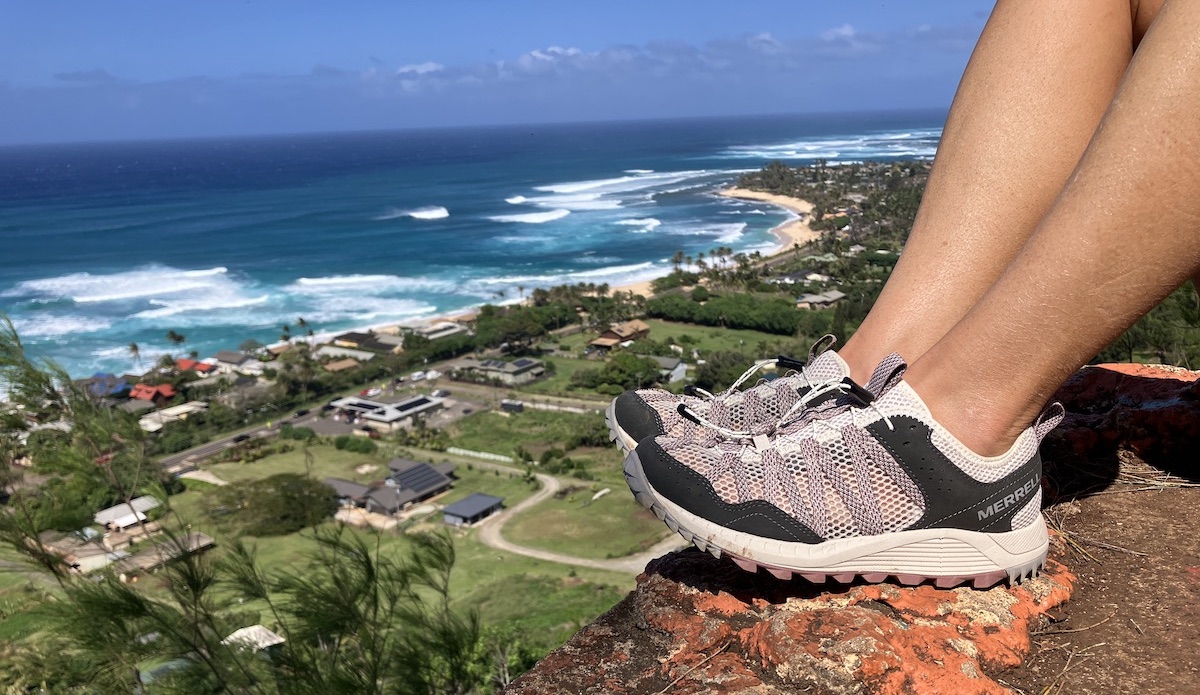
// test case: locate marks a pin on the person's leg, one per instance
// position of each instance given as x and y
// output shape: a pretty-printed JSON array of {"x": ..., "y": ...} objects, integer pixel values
[
  {"x": 1031, "y": 97},
  {"x": 1123, "y": 234}
]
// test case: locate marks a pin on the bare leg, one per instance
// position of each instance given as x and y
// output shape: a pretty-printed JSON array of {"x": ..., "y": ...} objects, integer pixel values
[
  {"x": 1034, "y": 91},
  {"x": 1122, "y": 235}
]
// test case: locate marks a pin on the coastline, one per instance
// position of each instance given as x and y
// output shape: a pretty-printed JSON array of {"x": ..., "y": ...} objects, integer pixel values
[{"x": 792, "y": 232}]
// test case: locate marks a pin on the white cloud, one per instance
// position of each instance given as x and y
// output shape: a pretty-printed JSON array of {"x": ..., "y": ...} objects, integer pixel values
[
  {"x": 845, "y": 31},
  {"x": 420, "y": 68}
]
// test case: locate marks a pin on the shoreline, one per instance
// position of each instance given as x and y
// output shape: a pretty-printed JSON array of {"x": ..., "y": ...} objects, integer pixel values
[{"x": 788, "y": 233}]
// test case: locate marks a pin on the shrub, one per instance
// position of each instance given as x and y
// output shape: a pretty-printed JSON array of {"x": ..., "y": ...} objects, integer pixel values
[
  {"x": 274, "y": 506},
  {"x": 358, "y": 445}
]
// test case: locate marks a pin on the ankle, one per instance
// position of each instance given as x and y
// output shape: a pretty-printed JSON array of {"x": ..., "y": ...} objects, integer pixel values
[{"x": 972, "y": 421}]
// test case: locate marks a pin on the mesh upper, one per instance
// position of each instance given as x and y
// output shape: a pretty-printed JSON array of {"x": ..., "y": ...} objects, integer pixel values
[
  {"x": 765, "y": 402},
  {"x": 828, "y": 472}
]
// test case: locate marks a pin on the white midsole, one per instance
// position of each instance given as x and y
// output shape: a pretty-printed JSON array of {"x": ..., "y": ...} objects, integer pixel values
[{"x": 929, "y": 552}]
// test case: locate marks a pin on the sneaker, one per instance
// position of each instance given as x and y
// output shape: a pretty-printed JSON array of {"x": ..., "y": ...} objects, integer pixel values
[
  {"x": 871, "y": 488},
  {"x": 637, "y": 415}
]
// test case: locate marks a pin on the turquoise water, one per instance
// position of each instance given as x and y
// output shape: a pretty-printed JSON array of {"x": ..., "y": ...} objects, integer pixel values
[{"x": 103, "y": 245}]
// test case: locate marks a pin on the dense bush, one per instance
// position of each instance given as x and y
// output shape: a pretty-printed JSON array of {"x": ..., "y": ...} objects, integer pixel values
[
  {"x": 274, "y": 506},
  {"x": 287, "y": 431},
  {"x": 766, "y": 314},
  {"x": 358, "y": 445},
  {"x": 624, "y": 371}
]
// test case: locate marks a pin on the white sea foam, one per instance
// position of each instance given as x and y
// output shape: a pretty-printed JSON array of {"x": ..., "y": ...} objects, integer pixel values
[
  {"x": 146, "y": 282},
  {"x": 626, "y": 184},
  {"x": 515, "y": 200},
  {"x": 644, "y": 224},
  {"x": 888, "y": 144},
  {"x": 727, "y": 233},
  {"x": 361, "y": 309},
  {"x": 533, "y": 217},
  {"x": 50, "y": 326},
  {"x": 639, "y": 171},
  {"x": 369, "y": 284},
  {"x": 575, "y": 202},
  {"x": 431, "y": 212},
  {"x": 205, "y": 303}
]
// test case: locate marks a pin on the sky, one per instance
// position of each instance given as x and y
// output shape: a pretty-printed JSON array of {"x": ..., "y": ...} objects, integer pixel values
[{"x": 124, "y": 69}]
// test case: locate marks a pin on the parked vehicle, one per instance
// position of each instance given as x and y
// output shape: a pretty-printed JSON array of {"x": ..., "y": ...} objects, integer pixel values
[{"x": 440, "y": 393}]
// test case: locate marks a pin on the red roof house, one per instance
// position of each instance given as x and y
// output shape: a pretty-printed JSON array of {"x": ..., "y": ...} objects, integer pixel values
[
  {"x": 189, "y": 365},
  {"x": 157, "y": 394}
]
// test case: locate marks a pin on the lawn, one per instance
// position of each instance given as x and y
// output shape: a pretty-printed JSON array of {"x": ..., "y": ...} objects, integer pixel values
[
  {"x": 612, "y": 526},
  {"x": 327, "y": 462},
  {"x": 537, "y": 431}
]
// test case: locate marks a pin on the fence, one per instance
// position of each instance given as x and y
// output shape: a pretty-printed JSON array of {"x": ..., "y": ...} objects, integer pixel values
[{"x": 499, "y": 458}]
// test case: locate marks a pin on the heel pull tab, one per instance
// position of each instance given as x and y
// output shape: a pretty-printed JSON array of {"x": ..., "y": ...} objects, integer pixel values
[
  {"x": 1049, "y": 419},
  {"x": 823, "y": 343}
]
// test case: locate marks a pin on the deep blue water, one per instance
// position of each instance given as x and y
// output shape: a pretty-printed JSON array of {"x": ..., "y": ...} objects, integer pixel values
[{"x": 222, "y": 240}]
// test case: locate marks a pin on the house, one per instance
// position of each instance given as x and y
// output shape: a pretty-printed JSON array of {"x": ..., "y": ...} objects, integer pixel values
[
  {"x": 184, "y": 364},
  {"x": 797, "y": 277},
  {"x": 254, "y": 638},
  {"x": 671, "y": 369},
  {"x": 621, "y": 332},
  {"x": 160, "y": 394},
  {"x": 855, "y": 250},
  {"x": 135, "y": 406},
  {"x": 81, "y": 551},
  {"x": 518, "y": 371},
  {"x": 820, "y": 301},
  {"x": 231, "y": 361},
  {"x": 410, "y": 482},
  {"x": 104, "y": 385},
  {"x": 352, "y": 339},
  {"x": 184, "y": 409},
  {"x": 339, "y": 353},
  {"x": 155, "y": 421},
  {"x": 161, "y": 553},
  {"x": 341, "y": 365},
  {"x": 440, "y": 329},
  {"x": 472, "y": 509},
  {"x": 383, "y": 342},
  {"x": 349, "y": 494},
  {"x": 120, "y": 516},
  {"x": 385, "y": 417}
]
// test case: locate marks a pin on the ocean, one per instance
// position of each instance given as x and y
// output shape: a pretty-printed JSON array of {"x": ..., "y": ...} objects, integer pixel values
[{"x": 103, "y": 245}]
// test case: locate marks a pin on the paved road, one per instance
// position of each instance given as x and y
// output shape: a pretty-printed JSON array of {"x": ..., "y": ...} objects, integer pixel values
[
  {"x": 217, "y": 445},
  {"x": 489, "y": 534}
]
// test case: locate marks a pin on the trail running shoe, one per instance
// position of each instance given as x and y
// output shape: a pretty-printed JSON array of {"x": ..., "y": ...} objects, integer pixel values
[
  {"x": 637, "y": 415},
  {"x": 873, "y": 488}
]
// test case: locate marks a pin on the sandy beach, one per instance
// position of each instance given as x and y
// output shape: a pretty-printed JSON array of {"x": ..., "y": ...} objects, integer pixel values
[{"x": 789, "y": 233}]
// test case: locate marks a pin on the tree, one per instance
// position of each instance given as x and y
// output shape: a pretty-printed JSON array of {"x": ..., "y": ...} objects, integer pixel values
[
  {"x": 135, "y": 351},
  {"x": 274, "y": 506},
  {"x": 175, "y": 338},
  {"x": 250, "y": 346}
]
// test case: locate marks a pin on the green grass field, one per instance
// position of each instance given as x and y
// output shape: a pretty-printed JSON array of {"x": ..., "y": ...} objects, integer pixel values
[
  {"x": 537, "y": 431},
  {"x": 612, "y": 526}
]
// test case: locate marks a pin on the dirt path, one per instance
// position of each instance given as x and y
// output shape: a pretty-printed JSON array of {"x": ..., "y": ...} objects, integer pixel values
[{"x": 489, "y": 534}]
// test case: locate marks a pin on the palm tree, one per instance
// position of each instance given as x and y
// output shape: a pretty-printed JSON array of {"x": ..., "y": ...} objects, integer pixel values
[
  {"x": 286, "y": 333},
  {"x": 521, "y": 291},
  {"x": 135, "y": 351},
  {"x": 175, "y": 338}
]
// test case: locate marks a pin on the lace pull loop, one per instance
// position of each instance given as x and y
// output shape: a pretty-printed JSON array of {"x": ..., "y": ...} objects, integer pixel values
[
  {"x": 1050, "y": 418},
  {"x": 825, "y": 342}
]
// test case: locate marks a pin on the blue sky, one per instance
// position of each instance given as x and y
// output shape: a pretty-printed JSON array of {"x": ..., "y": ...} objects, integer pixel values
[{"x": 122, "y": 70}]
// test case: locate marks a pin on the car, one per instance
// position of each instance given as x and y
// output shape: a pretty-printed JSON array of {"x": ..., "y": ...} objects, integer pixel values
[
  {"x": 417, "y": 376},
  {"x": 241, "y": 438},
  {"x": 301, "y": 413},
  {"x": 440, "y": 393},
  {"x": 372, "y": 392}
]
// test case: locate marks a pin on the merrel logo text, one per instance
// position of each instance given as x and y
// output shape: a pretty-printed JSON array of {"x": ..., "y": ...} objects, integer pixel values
[{"x": 1009, "y": 500}]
